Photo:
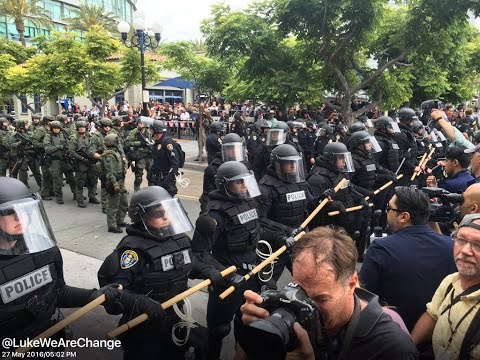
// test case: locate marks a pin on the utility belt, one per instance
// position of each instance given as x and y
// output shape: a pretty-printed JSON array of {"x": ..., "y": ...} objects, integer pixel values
[{"x": 160, "y": 173}]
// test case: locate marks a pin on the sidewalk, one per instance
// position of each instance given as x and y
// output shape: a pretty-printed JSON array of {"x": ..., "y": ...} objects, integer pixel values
[{"x": 191, "y": 151}]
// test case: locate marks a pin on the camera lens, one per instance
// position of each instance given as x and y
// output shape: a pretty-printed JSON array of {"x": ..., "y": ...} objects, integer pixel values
[{"x": 276, "y": 334}]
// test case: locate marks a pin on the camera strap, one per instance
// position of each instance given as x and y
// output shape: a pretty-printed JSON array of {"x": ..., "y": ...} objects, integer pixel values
[{"x": 351, "y": 328}]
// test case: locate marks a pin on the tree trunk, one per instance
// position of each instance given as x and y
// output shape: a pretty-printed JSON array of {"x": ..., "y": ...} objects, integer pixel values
[
  {"x": 20, "y": 26},
  {"x": 346, "y": 110}
]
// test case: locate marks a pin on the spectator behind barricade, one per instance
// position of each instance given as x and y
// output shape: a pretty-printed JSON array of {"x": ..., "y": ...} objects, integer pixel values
[
  {"x": 456, "y": 169},
  {"x": 413, "y": 260},
  {"x": 324, "y": 262},
  {"x": 452, "y": 320},
  {"x": 184, "y": 116}
]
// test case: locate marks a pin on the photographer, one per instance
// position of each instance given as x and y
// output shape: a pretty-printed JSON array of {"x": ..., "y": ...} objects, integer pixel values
[
  {"x": 458, "y": 176},
  {"x": 354, "y": 325}
]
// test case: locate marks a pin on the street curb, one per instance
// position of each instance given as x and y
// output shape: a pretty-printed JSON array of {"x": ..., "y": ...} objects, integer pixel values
[{"x": 197, "y": 166}]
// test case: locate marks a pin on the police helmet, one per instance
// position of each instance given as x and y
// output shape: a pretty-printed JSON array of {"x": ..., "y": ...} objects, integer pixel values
[
  {"x": 216, "y": 127},
  {"x": 111, "y": 140},
  {"x": 277, "y": 134},
  {"x": 236, "y": 181},
  {"x": 105, "y": 122},
  {"x": 341, "y": 128},
  {"x": 383, "y": 123},
  {"x": 287, "y": 163},
  {"x": 18, "y": 206},
  {"x": 417, "y": 125},
  {"x": 55, "y": 124},
  {"x": 406, "y": 114},
  {"x": 161, "y": 215},
  {"x": 337, "y": 154},
  {"x": 358, "y": 138},
  {"x": 158, "y": 126},
  {"x": 263, "y": 124},
  {"x": 356, "y": 126},
  {"x": 82, "y": 123},
  {"x": 233, "y": 148},
  {"x": 310, "y": 124},
  {"x": 36, "y": 116}
]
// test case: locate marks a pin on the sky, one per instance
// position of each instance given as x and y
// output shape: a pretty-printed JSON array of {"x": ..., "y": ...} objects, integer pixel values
[{"x": 181, "y": 18}]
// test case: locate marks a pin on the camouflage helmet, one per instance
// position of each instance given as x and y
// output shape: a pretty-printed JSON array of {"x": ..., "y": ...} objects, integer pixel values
[
  {"x": 61, "y": 118},
  {"x": 81, "y": 123},
  {"x": 55, "y": 124},
  {"x": 111, "y": 140},
  {"x": 20, "y": 124},
  {"x": 76, "y": 117},
  {"x": 47, "y": 119},
  {"x": 105, "y": 122},
  {"x": 36, "y": 116},
  {"x": 117, "y": 120}
]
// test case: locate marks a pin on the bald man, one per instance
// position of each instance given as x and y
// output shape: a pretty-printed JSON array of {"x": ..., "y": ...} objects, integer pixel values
[
  {"x": 471, "y": 200},
  {"x": 475, "y": 162}
]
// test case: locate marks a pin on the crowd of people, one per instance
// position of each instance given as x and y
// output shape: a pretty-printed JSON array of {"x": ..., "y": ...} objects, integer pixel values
[{"x": 399, "y": 193}]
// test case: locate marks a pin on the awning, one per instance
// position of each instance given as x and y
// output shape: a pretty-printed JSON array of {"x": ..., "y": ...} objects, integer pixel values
[{"x": 177, "y": 82}]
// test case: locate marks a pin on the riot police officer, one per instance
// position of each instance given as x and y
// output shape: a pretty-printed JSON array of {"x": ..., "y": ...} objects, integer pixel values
[
  {"x": 385, "y": 129},
  {"x": 238, "y": 125},
  {"x": 407, "y": 144},
  {"x": 285, "y": 199},
  {"x": 213, "y": 143},
  {"x": 306, "y": 139},
  {"x": 231, "y": 239},
  {"x": 56, "y": 149},
  {"x": 356, "y": 126},
  {"x": 85, "y": 172},
  {"x": 29, "y": 255},
  {"x": 330, "y": 168},
  {"x": 233, "y": 149},
  {"x": 114, "y": 167},
  {"x": 153, "y": 263},
  {"x": 165, "y": 160},
  {"x": 324, "y": 137}
]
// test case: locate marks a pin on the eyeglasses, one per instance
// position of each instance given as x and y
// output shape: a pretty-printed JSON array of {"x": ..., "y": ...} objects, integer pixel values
[
  {"x": 390, "y": 208},
  {"x": 475, "y": 245}
]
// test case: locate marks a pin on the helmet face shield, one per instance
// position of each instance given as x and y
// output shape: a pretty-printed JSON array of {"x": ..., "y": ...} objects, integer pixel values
[
  {"x": 321, "y": 132},
  {"x": 344, "y": 162},
  {"x": 243, "y": 186},
  {"x": 24, "y": 227},
  {"x": 375, "y": 145},
  {"x": 166, "y": 218},
  {"x": 275, "y": 137},
  {"x": 234, "y": 151},
  {"x": 290, "y": 169},
  {"x": 395, "y": 127}
]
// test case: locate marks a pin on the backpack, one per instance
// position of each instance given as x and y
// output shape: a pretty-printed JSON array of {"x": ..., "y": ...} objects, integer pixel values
[{"x": 179, "y": 153}]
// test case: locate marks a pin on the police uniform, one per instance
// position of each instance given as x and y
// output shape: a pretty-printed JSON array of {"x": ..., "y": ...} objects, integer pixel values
[
  {"x": 165, "y": 165},
  {"x": 406, "y": 141},
  {"x": 137, "y": 143},
  {"x": 213, "y": 144}
]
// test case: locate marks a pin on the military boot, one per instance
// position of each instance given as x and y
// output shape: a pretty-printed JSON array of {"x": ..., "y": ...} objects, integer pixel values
[
  {"x": 93, "y": 200},
  {"x": 81, "y": 204}
]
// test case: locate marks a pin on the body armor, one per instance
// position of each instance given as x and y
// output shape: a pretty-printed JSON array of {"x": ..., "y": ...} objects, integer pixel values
[
  {"x": 365, "y": 169},
  {"x": 389, "y": 157}
]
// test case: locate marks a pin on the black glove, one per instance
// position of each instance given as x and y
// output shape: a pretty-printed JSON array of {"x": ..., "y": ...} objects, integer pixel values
[
  {"x": 216, "y": 278},
  {"x": 238, "y": 281},
  {"x": 140, "y": 304},
  {"x": 392, "y": 177},
  {"x": 111, "y": 291},
  {"x": 338, "y": 206},
  {"x": 85, "y": 160},
  {"x": 364, "y": 204},
  {"x": 328, "y": 193},
  {"x": 289, "y": 242},
  {"x": 296, "y": 231}
]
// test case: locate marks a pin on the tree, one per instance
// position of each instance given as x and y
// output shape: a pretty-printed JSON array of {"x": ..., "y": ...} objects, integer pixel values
[
  {"x": 208, "y": 76},
  {"x": 346, "y": 47},
  {"x": 21, "y": 10},
  {"x": 89, "y": 15}
]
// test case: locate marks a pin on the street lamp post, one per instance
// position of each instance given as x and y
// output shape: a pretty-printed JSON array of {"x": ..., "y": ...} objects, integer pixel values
[{"x": 142, "y": 40}]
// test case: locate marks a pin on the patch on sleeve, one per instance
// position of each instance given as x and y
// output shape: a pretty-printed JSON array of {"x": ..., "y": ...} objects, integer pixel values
[
  {"x": 170, "y": 147},
  {"x": 128, "y": 259}
]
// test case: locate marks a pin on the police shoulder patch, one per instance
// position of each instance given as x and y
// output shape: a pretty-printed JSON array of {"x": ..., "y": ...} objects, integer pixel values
[
  {"x": 170, "y": 147},
  {"x": 128, "y": 259}
]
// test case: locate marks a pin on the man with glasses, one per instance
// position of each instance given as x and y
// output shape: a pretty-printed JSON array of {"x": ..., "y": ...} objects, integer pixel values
[
  {"x": 413, "y": 260},
  {"x": 452, "y": 319}
]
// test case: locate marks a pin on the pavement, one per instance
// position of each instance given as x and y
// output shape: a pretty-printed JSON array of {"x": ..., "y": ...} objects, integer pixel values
[{"x": 84, "y": 241}]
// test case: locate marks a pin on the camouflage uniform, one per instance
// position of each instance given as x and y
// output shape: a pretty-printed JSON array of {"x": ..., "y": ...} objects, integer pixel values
[
  {"x": 85, "y": 169},
  {"x": 140, "y": 152},
  {"x": 37, "y": 139},
  {"x": 4, "y": 149},
  {"x": 56, "y": 149},
  {"x": 114, "y": 168}
]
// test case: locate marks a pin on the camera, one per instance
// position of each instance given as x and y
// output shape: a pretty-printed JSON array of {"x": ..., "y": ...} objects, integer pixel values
[
  {"x": 443, "y": 211},
  {"x": 427, "y": 108},
  {"x": 273, "y": 337}
]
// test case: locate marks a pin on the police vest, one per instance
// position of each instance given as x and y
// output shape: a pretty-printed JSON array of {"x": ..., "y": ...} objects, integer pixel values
[
  {"x": 391, "y": 158},
  {"x": 242, "y": 224},
  {"x": 344, "y": 194},
  {"x": 29, "y": 286},
  {"x": 167, "y": 266},
  {"x": 365, "y": 169},
  {"x": 291, "y": 207}
]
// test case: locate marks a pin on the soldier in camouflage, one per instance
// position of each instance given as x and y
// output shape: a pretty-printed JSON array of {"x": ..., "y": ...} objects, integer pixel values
[
  {"x": 37, "y": 139},
  {"x": 4, "y": 149},
  {"x": 139, "y": 142}
]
